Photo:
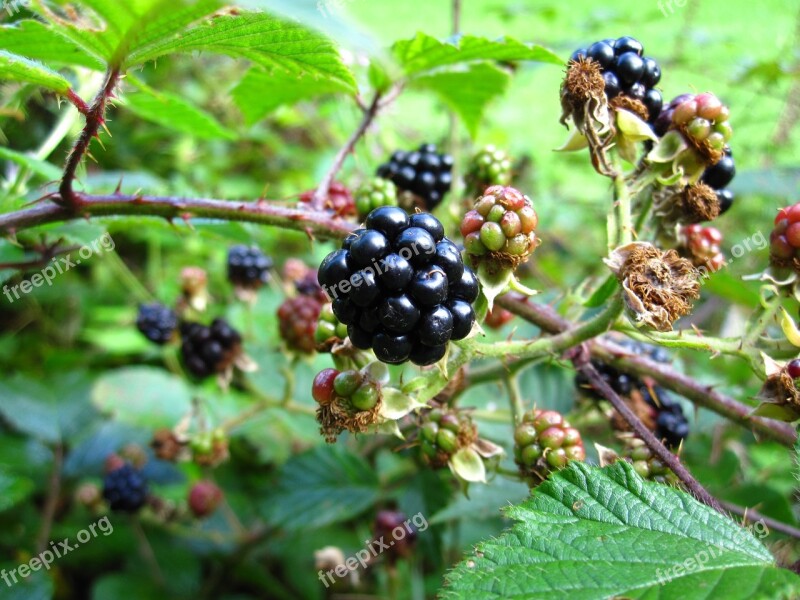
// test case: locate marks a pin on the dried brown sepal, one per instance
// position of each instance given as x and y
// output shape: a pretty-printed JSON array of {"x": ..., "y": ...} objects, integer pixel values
[
  {"x": 167, "y": 445},
  {"x": 698, "y": 203},
  {"x": 658, "y": 285},
  {"x": 339, "y": 416},
  {"x": 780, "y": 391},
  {"x": 708, "y": 153},
  {"x": 646, "y": 413},
  {"x": 633, "y": 105},
  {"x": 582, "y": 85}
]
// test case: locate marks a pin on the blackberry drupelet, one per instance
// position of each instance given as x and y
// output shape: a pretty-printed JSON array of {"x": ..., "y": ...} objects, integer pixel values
[
  {"x": 248, "y": 267},
  {"x": 207, "y": 350},
  {"x": 125, "y": 489}
]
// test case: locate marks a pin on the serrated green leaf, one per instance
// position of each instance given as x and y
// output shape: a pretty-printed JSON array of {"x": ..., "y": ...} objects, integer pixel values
[
  {"x": 467, "y": 91},
  {"x": 39, "y": 41},
  {"x": 268, "y": 41},
  {"x": 424, "y": 53},
  {"x": 590, "y": 533},
  {"x": 325, "y": 485},
  {"x": 260, "y": 92},
  {"x": 41, "y": 168},
  {"x": 176, "y": 113},
  {"x": 143, "y": 396},
  {"x": 14, "y": 67}
]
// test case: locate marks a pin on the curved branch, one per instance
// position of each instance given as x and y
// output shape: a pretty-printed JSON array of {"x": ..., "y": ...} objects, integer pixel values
[
  {"x": 315, "y": 224},
  {"x": 551, "y": 322}
]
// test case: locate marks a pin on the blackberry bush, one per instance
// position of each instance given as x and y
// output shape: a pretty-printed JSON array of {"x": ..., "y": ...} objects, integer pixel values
[
  {"x": 424, "y": 173},
  {"x": 401, "y": 287}
]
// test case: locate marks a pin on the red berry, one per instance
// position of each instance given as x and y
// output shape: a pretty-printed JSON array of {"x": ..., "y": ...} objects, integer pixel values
[
  {"x": 793, "y": 213},
  {"x": 322, "y": 389},
  {"x": 793, "y": 235},
  {"x": 339, "y": 199},
  {"x": 297, "y": 321},
  {"x": 204, "y": 497},
  {"x": 793, "y": 368},
  {"x": 472, "y": 222}
]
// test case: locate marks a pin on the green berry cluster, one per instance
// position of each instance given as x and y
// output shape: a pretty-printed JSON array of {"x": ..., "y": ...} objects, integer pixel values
[
  {"x": 500, "y": 226},
  {"x": 373, "y": 194},
  {"x": 329, "y": 330},
  {"x": 646, "y": 464},
  {"x": 443, "y": 433},
  {"x": 490, "y": 166},
  {"x": 545, "y": 441}
]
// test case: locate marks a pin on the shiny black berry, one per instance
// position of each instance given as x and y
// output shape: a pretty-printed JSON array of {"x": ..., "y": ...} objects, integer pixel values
[
  {"x": 360, "y": 338},
  {"x": 392, "y": 349},
  {"x": 370, "y": 246},
  {"x": 652, "y": 72},
  {"x": 398, "y": 314},
  {"x": 463, "y": 318},
  {"x": 423, "y": 355},
  {"x": 364, "y": 289},
  {"x": 207, "y": 350},
  {"x": 345, "y": 311},
  {"x": 429, "y": 223},
  {"x": 721, "y": 174},
  {"x": 125, "y": 489},
  {"x": 395, "y": 272},
  {"x": 424, "y": 173},
  {"x": 725, "y": 198},
  {"x": 416, "y": 245},
  {"x": 601, "y": 53},
  {"x": 629, "y": 68},
  {"x": 467, "y": 288},
  {"x": 334, "y": 270},
  {"x": 157, "y": 322},
  {"x": 429, "y": 287},
  {"x": 628, "y": 44},
  {"x": 389, "y": 220},
  {"x": 613, "y": 88}
]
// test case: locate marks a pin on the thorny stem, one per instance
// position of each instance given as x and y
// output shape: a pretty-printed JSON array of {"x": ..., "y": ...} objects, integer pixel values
[
  {"x": 321, "y": 194},
  {"x": 667, "y": 457},
  {"x": 622, "y": 199},
  {"x": 751, "y": 515},
  {"x": 95, "y": 118},
  {"x": 515, "y": 400}
]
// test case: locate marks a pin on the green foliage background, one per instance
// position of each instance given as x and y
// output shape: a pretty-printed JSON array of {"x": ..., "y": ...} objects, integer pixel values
[{"x": 78, "y": 376}]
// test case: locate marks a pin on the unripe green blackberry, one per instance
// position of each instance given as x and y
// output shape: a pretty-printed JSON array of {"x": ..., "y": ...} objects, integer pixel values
[
  {"x": 646, "y": 464},
  {"x": 347, "y": 400},
  {"x": 543, "y": 442},
  {"x": 443, "y": 433},
  {"x": 702, "y": 120},
  {"x": 500, "y": 227},
  {"x": 490, "y": 166},
  {"x": 376, "y": 192},
  {"x": 329, "y": 330}
]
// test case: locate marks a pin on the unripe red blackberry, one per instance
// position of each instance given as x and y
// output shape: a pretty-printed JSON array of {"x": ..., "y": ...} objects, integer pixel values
[
  {"x": 248, "y": 267},
  {"x": 544, "y": 441},
  {"x": 784, "y": 241},
  {"x": 339, "y": 200},
  {"x": 373, "y": 194},
  {"x": 397, "y": 531},
  {"x": 157, "y": 322},
  {"x": 297, "y": 322},
  {"x": 702, "y": 120},
  {"x": 204, "y": 498},
  {"x": 500, "y": 227},
  {"x": 444, "y": 432},
  {"x": 490, "y": 166},
  {"x": 701, "y": 245},
  {"x": 125, "y": 489},
  {"x": 793, "y": 368},
  {"x": 207, "y": 350},
  {"x": 348, "y": 400},
  {"x": 424, "y": 173}
]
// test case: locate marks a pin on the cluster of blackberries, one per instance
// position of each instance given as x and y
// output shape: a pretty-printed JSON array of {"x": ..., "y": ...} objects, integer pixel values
[
  {"x": 443, "y": 433},
  {"x": 423, "y": 172},
  {"x": 784, "y": 240},
  {"x": 125, "y": 488},
  {"x": 626, "y": 71},
  {"x": 207, "y": 350},
  {"x": 544, "y": 441},
  {"x": 248, "y": 267},
  {"x": 719, "y": 176},
  {"x": 297, "y": 322},
  {"x": 401, "y": 287},
  {"x": 157, "y": 322},
  {"x": 671, "y": 424}
]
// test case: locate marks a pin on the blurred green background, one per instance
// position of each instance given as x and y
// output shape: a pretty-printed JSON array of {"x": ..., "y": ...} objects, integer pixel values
[{"x": 80, "y": 382}]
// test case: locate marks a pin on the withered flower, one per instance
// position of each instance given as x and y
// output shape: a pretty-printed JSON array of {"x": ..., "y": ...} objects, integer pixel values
[
  {"x": 686, "y": 204},
  {"x": 780, "y": 398},
  {"x": 658, "y": 285},
  {"x": 583, "y": 93},
  {"x": 339, "y": 415}
]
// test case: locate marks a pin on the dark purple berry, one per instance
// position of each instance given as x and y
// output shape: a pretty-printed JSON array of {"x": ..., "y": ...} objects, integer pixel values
[
  {"x": 398, "y": 314},
  {"x": 436, "y": 326},
  {"x": 391, "y": 349},
  {"x": 429, "y": 287}
]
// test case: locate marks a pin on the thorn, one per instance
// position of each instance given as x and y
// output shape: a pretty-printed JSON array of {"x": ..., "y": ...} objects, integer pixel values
[
  {"x": 105, "y": 127},
  {"x": 118, "y": 189}
]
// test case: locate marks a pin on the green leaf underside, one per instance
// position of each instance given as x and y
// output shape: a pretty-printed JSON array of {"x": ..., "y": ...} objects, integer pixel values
[
  {"x": 325, "y": 485},
  {"x": 467, "y": 91},
  {"x": 18, "y": 68},
  {"x": 591, "y": 533},
  {"x": 260, "y": 92},
  {"x": 424, "y": 53},
  {"x": 42, "y": 168}
]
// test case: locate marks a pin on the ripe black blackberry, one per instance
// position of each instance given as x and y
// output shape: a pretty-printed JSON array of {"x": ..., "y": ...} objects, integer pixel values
[
  {"x": 719, "y": 177},
  {"x": 157, "y": 322},
  {"x": 207, "y": 350},
  {"x": 672, "y": 427},
  {"x": 423, "y": 172},
  {"x": 620, "y": 382},
  {"x": 248, "y": 267},
  {"x": 626, "y": 71},
  {"x": 125, "y": 488},
  {"x": 401, "y": 287}
]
